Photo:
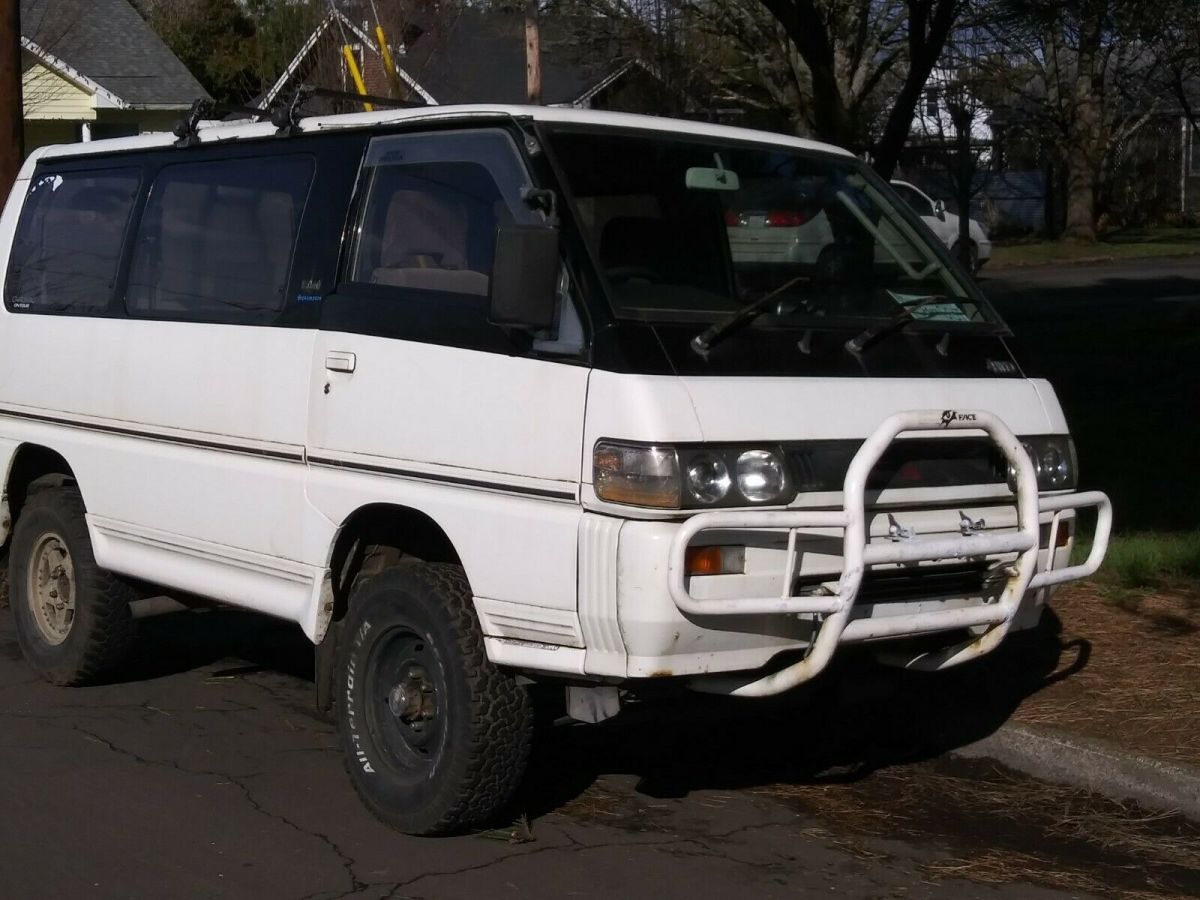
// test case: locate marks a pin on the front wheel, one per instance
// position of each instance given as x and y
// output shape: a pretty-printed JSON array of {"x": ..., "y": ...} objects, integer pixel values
[{"x": 435, "y": 737}]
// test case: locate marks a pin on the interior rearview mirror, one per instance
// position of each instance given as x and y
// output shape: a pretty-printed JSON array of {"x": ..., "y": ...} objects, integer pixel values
[
  {"x": 699, "y": 178},
  {"x": 524, "y": 277},
  {"x": 939, "y": 209}
]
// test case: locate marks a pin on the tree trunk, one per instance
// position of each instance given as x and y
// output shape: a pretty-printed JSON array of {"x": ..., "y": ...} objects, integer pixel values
[
  {"x": 1086, "y": 137},
  {"x": 929, "y": 24},
  {"x": 1081, "y": 201},
  {"x": 966, "y": 183},
  {"x": 1083, "y": 153},
  {"x": 12, "y": 150},
  {"x": 533, "y": 53}
]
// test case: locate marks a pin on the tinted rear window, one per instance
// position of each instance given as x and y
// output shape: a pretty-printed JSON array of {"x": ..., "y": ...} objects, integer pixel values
[
  {"x": 215, "y": 242},
  {"x": 68, "y": 242}
]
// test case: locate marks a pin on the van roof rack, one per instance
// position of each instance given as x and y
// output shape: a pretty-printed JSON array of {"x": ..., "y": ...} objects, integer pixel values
[
  {"x": 187, "y": 129},
  {"x": 286, "y": 117}
]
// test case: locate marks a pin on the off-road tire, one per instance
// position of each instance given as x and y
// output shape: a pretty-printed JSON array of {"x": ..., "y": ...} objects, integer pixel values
[
  {"x": 102, "y": 630},
  {"x": 477, "y": 759}
]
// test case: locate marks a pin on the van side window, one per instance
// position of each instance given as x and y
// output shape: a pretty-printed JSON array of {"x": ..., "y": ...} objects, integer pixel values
[
  {"x": 215, "y": 242},
  {"x": 68, "y": 241},
  {"x": 430, "y": 226},
  {"x": 433, "y": 203}
]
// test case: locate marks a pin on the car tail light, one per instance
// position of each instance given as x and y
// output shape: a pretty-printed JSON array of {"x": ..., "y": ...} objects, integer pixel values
[
  {"x": 733, "y": 218},
  {"x": 786, "y": 218}
]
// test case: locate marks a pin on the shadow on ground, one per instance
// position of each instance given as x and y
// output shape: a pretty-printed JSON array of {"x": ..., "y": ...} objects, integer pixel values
[{"x": 856, "y": 718}]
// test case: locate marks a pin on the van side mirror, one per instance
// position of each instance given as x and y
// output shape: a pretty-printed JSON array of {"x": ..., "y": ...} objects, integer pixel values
[
  {"x": 524, "y": 277},
  {"x": 939, "y": 209}
]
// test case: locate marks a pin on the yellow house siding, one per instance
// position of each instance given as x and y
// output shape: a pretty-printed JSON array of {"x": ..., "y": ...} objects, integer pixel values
[{"x": 50, "y": 96}]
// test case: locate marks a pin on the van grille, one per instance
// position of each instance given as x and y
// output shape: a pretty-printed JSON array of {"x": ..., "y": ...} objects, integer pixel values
[
  {"x": 907, "y": 463},
  {"x": 908, "y": 584}
]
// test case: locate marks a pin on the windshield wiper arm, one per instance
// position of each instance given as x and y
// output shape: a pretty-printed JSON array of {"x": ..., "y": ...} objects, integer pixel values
[
  {"x": 898, "y": 320},
  {"x": 717, "y": 332}
]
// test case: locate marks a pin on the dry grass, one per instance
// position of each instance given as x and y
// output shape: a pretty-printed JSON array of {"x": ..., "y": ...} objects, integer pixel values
[
  {"x": 994, "y": 826},
  {"x": 1138, "y": 685}
]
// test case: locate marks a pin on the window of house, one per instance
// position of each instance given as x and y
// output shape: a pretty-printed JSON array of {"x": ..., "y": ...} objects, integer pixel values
[
  {"x": 68, "y": 242},
  {"x": 216, "y": 239},
  {"x": 931, "y": 102}
]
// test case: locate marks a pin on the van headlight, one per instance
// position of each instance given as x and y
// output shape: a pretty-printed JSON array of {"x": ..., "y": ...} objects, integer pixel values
[
  {"x": 1054, "y": 462},
  {"x": 689, "y": 477},
  {"x": 636, "y": 474},
  {"x": 761, "y": 477},
  {"x": 708, "y": 479}
]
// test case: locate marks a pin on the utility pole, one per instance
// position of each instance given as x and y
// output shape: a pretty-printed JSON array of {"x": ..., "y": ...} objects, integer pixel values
[
  {"x": 533, "y": 53},
  {"x": 12, "y": 142}
]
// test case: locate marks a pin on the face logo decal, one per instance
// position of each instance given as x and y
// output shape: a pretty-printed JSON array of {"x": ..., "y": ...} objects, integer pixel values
[{"x": 951, "y": 415}]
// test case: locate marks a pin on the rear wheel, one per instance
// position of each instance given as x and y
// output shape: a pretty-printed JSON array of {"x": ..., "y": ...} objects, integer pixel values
[
  {"x": 435, "y": 737},
  {"x": 72, "y": 617}
]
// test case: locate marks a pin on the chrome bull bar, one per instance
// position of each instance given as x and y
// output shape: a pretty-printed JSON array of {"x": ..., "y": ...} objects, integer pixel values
[{"x": 858, "y": 554}]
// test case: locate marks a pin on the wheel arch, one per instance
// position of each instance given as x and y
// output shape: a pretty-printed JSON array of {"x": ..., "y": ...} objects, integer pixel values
[
  {"x": 371, "y": 538},
  {"x": 30, "y": 466}
]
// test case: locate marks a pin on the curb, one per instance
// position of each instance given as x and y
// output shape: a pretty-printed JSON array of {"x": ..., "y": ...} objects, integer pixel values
[
  {"x": 1087, "y": 261},
  {"x": 1092, "y": 764}
]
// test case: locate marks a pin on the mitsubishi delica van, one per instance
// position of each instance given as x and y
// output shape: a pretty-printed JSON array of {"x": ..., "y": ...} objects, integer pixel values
[{"x": 484, "y": 398}]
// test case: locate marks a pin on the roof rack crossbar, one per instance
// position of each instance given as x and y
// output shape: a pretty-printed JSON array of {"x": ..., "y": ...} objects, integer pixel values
[
  {"x": 187, "y": 129},
  {"x": 286, "y": 116}
]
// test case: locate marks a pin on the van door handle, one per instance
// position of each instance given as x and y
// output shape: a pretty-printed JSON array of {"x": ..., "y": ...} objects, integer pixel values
[{"x": 340, "y": 361}]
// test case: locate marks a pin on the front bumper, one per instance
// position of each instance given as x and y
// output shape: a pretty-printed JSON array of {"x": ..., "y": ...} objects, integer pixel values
[{"x": 1014, "y": 552}]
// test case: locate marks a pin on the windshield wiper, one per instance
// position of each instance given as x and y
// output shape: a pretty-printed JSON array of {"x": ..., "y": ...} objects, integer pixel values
[
  {"x": 714, "y": 334},
  {"x": 898, "y": 320}
]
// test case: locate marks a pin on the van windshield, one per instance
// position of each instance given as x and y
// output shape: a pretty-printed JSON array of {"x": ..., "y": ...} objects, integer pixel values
[{"x": 693, "y": 229}]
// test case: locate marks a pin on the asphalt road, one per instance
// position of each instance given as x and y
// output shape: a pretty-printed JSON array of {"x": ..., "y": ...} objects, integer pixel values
[{"x": 1120, "y": 342}]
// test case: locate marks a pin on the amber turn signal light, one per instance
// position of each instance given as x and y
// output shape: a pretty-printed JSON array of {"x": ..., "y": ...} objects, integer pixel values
[{"x": 715, "y": 560}]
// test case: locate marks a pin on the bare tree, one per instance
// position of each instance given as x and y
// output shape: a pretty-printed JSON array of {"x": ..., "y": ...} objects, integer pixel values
[
  {"x": 1086, "y": 79},
  {"x": 952, "y": 126},
  {"x": 1172, "y": 29},
  {"x": 847, "y": 48}
]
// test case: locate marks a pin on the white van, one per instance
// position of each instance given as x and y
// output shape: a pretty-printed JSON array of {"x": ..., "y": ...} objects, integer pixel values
[{"x": 480, "y": 398}]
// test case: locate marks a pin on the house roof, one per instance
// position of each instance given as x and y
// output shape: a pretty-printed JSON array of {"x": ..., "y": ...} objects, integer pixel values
[{"x": 106, "y": 44}]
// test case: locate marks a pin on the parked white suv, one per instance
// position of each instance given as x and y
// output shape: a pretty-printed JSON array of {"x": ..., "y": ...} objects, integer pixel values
[
  {"x": 483, "y": 397},
  {"x": 945, "y": 224}
]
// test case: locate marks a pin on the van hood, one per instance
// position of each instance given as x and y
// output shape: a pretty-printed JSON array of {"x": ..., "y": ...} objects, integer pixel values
[{"x": 692, "y": 409}]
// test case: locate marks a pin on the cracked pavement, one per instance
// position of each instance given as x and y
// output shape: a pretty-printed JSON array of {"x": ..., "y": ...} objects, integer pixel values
[{"x": 202, "y": 771}]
